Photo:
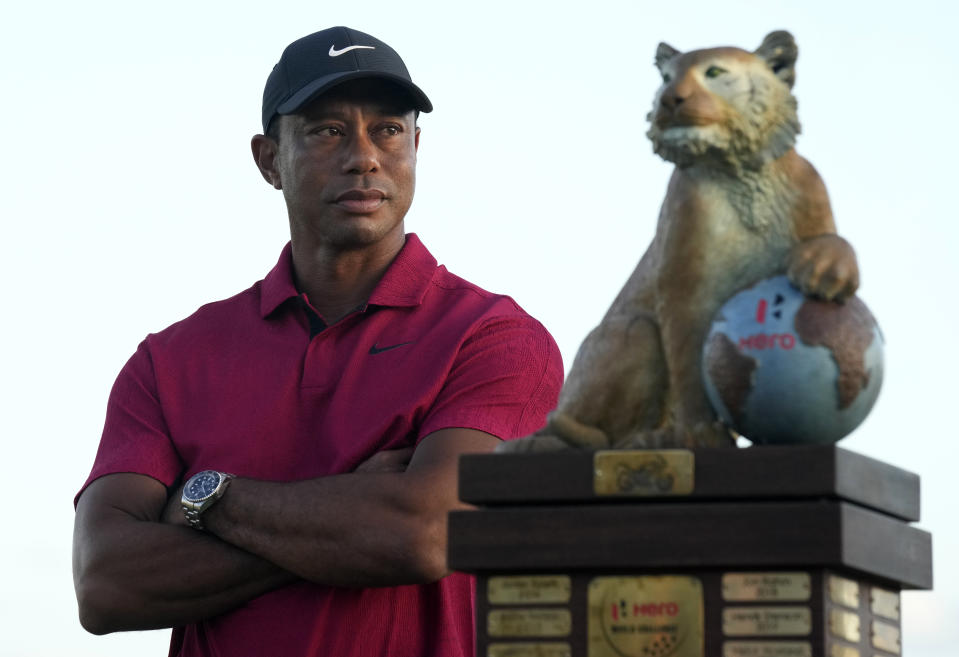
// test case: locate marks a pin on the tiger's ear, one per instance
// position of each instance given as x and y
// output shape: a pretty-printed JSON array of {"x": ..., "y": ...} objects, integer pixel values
[
  {"x": 664, "y": 53},
  {"x": 780, "y": 52}
]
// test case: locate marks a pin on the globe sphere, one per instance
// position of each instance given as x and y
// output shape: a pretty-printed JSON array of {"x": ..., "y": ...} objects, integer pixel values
[{"x": 783, "y": 368}]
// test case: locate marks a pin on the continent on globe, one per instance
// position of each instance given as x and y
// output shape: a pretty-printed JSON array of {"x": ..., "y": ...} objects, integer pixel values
[
  {"x": 779, "y": 367},
  {"x": 846, "y": 330},
  {"x": 731, "y": 373}
]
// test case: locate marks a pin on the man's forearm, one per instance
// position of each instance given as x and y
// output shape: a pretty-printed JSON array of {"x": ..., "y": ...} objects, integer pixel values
[
  {"x": 136, "y": 573},
  {"x": 343, "y": 530},
  {"x": 358, "y": 529}
]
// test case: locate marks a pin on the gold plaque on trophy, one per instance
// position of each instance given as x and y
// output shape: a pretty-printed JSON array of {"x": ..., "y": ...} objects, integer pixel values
[
  {"x": 529, "y": 622},
  {"x": 537, "y": 649},
  {"x": 767, "y": 649},
  {"x": 766, "y": 587},
  {"x": 884, "y": 603},
  {"x": 767, "y": 621},
  {"x": 528, "y": 589},
  {"x": 885, "y": 637},
  {"x": 844, "y": 591},
  {"x": 643, "y": 473},
  {"x": 843, "y": 651},
  {"x": 844, "y": 624},
  {"x": 650, "y": 616}
]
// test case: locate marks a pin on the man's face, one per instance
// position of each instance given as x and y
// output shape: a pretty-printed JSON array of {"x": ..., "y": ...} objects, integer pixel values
[{"x": 347, "y": 166}]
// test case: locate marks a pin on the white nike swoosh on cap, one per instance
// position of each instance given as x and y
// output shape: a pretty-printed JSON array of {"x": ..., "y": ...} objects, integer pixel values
[{"x": 336, "y": 53}]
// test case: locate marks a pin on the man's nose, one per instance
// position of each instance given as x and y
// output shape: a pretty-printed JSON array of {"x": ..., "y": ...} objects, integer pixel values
[{"x": 361, "y": 155}]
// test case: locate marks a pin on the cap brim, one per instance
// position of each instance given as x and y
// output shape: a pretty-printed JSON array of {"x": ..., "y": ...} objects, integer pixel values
[{"x": 325, "y": 83}]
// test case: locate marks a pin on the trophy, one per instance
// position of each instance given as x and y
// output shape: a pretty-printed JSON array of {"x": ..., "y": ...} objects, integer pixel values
[{"x": 631, "y": 525}]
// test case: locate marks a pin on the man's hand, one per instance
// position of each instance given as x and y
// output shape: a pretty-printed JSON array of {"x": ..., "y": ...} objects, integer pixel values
[{"x": 173, "y": 511}]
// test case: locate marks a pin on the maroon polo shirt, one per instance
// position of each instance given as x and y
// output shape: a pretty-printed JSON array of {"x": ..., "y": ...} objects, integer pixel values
[{"x": 258, "y": 386}]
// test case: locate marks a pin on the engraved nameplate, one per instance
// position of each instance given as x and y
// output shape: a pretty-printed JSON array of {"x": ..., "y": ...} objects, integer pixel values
[
  {"x": 528, "y": 589},
  {"x": 844, "y": 591},
  {"x": 645, "y": 616},
  {"x": 767, "y": 649},
  {"x": 539, "y": 649},
  {"x": 844, "y": 624},
  {"x": 767, "y": 621},
  {"x": 529, "y": 622},
  {"x": 885, "y": 637},
  {"x": 766, "y": 587},
  {"x": 643, "y": 473},
  {"x": 884, "y": 603}
]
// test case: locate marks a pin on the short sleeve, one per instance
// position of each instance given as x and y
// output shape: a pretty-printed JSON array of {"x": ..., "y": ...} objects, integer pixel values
[
  {"x": 504, "y": 380},
  {"x": 135, "y": 436}
]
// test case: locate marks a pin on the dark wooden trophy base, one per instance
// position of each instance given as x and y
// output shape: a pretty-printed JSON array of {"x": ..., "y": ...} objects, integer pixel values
[{"x": 796, "y": 551}]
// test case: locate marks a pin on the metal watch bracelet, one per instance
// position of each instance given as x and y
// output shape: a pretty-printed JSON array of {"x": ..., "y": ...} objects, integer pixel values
[{"x": 194, "y": 510}]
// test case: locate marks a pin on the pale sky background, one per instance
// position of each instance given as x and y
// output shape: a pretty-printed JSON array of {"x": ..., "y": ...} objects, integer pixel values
[{"x": 130, "y": 199}]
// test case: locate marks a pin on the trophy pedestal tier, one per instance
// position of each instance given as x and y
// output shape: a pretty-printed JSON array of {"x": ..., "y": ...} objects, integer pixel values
[{"x": 760, "y": 552}]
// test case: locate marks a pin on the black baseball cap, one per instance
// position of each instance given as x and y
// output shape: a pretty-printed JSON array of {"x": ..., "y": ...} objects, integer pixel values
[{"x": 315, "y": 63}]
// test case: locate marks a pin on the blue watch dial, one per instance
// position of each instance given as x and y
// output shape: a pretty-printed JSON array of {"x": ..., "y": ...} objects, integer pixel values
[{"x": 202, "y": 485}]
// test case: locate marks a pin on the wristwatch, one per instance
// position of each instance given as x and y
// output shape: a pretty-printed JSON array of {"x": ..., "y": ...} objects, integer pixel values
[{"x": 200, "y": 492}]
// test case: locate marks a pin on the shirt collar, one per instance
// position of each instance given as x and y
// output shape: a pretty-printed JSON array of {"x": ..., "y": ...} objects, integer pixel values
[
  {"x": 404, "y": 283},
  {"x": 278, "y": 285}
]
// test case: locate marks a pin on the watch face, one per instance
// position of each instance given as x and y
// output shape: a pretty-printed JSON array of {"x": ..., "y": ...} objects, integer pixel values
[{"x": 201, "y": 485}]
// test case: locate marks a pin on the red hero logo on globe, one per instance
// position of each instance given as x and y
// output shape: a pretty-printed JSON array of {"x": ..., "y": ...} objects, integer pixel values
[{"x": 768, "y": 340}]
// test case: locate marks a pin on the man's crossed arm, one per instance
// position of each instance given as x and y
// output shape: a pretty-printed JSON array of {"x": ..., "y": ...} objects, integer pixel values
[{"x": 137, "y": 565}]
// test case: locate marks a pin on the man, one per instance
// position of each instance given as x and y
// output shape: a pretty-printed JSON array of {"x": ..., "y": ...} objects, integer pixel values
[{"x": 339, "y": 391}]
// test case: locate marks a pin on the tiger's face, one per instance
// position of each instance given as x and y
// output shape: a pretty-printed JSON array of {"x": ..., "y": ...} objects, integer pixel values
[{"x": 723, "y": 106}]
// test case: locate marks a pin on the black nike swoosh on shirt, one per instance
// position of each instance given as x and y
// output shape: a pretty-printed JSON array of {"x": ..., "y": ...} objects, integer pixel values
[{"x": 379, "y": 350}]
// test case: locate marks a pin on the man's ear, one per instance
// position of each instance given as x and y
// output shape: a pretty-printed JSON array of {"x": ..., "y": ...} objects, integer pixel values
[
  {"x": 416, "y": 139},
  {"x": 264, "y": 154}
]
